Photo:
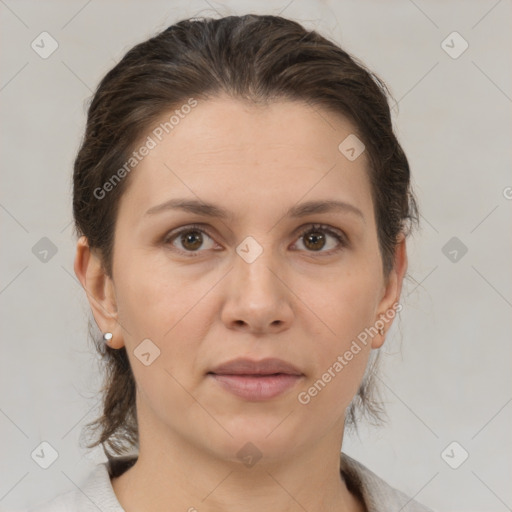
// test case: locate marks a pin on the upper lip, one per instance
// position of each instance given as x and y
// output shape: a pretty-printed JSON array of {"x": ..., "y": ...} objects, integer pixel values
[{"x": 243, "y": 366}]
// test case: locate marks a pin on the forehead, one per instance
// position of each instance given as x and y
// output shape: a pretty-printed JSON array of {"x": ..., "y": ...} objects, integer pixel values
[
  {"x": 282, "y": 129},
  {"x": 277, "y": 152}
]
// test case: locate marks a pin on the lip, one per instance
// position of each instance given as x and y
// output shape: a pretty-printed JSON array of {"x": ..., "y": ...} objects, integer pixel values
[
  {"x": 244, "y": 366},
  {"x": 256, "y": 380}
]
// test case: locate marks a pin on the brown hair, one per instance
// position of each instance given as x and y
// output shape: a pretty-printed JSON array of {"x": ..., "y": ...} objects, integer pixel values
[{"x": 256, "y": 58}]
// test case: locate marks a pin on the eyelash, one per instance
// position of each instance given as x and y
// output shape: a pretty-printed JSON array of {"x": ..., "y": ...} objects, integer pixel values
[{"x": 341, "y": 238}]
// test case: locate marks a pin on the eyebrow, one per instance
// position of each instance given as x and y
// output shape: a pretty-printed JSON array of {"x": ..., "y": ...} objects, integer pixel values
[{"x": 211, "y": 210}]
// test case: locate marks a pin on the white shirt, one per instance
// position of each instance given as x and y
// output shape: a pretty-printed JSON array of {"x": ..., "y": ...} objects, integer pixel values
[{"x": 97, "y": 494}]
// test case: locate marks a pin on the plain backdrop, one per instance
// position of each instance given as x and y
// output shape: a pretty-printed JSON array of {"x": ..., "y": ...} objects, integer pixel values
[{"x": 446, "y": 376}]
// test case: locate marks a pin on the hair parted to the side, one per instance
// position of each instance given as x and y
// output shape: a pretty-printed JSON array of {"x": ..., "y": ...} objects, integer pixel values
[{"x": 256, "y": 58}]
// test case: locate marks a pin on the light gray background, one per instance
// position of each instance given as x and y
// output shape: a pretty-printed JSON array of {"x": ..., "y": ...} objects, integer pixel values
[{"x": 447, "y": 370}]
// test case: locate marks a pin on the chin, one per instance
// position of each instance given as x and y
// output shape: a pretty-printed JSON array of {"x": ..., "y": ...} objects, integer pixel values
[{"x": 268, "y": 438}]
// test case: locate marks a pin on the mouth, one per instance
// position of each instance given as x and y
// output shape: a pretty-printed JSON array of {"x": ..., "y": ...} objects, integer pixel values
[{"x": 256, "y": 380}]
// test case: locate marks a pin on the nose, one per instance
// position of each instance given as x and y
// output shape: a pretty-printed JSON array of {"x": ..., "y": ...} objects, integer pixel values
[{"x": 257, "y": 298}]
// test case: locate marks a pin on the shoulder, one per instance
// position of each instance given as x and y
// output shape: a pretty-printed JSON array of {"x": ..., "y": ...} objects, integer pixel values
[
  {"x": 377, "y": 495},
  {"x": 61, "y": 503},
  {"x": 95, "y": 493}
]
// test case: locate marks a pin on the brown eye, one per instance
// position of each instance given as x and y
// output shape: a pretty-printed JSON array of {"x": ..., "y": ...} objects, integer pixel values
[
  {"x": 314, "y": 240},
  {"x": 191, "y": 240}
]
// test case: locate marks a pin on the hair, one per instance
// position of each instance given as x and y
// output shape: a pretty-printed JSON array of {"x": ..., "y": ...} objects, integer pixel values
[{"x": 255, "y": 58}]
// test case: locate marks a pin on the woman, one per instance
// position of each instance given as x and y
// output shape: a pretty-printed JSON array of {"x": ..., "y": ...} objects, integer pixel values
[{"x": 242, "y": 204}]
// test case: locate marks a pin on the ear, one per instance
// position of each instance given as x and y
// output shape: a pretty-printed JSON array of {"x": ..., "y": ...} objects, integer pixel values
[
  {"x": 391, "y": 291},
  {"x": 100, "y": 291}
]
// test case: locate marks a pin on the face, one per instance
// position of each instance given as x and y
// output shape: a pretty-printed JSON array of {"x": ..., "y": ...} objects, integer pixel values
[{"x": 255, "y": 265}]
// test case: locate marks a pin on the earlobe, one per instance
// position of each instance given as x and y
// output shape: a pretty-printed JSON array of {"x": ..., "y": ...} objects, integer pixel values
[
  {"x": 100, "y": 291},
  {"x": 391, "y": 297}
]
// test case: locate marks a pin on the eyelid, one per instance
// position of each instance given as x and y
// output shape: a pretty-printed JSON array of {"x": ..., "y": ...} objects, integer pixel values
[
  {"x": 340, "y": 236},
  {"x": 190, "y": 227}
]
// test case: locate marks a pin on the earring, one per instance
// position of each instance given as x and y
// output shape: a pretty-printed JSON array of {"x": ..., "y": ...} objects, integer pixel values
[
  {"x": 107, "y": 336},
  {"x": 381, "y": 331}
]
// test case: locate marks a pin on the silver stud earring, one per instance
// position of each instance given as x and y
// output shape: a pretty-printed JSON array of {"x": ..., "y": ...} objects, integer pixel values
[{"x": 107, "y": 336}]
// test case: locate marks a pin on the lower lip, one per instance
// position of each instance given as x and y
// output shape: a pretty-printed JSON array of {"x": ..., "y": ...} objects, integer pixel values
[{"x": 257, "y": 387}]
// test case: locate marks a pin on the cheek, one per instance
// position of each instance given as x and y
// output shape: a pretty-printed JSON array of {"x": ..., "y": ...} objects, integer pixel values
[
  {"x": 160, "y": 316},
  {"x": 331, "y": 390},
  {"x": 153, "y": 297},
  {"x": 159, "y": 303},
  {"x": 341, "y": 351},
  {"x": 344, "y": 310},
  {"x": 342, "y": 306}
]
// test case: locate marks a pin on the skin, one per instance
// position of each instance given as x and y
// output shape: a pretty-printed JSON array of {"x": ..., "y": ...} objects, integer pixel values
[{"x": 293, "y": 302}]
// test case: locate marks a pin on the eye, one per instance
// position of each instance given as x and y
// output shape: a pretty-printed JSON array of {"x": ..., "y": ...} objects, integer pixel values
[
  {"x": 191, "y": 239},
  {"x": 316, "y": 237}
]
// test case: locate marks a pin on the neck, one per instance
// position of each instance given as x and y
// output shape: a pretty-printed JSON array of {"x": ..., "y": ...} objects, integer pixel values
[
  {"x": 172, "y": 475},
  {"x": 175, "y": 473}
]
